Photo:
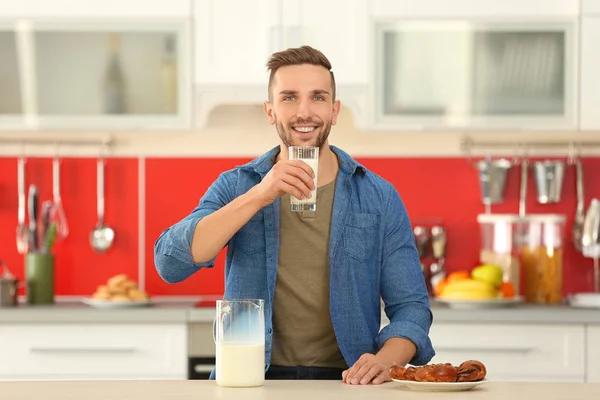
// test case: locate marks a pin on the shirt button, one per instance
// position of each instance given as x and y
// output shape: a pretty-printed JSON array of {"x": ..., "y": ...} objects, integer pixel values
[{"x": 270, "y": 330}]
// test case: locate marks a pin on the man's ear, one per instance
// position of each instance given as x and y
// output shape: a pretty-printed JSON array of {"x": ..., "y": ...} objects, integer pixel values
[
  {"x": 336, "y": 111},
  {"x": 268, "y": 109}
]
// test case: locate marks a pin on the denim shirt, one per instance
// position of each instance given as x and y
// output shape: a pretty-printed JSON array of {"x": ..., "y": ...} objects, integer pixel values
[{"x": 372, "y": 257}]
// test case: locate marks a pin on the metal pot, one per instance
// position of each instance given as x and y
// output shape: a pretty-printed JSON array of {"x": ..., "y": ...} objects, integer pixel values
[
  {"x": 8, "y": 287},
  {"x": 8, "y": 292}
]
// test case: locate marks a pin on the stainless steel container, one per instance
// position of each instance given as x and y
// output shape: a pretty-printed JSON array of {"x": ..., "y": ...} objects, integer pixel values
[
  {"x": 8, "y": 288},
  {"x": 549, "y": 176},
  {"x": 492, "y": 179}
]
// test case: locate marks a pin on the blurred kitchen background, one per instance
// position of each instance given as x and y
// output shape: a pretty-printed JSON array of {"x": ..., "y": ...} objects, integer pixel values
[{"x": 153, "y": 99}]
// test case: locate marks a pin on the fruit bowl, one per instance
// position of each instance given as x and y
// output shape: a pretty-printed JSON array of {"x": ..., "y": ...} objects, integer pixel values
[{"x": 459, "y": 304}]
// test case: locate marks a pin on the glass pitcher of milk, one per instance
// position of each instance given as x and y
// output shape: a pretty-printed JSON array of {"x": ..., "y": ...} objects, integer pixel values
[{"x": 240, "y": 342}]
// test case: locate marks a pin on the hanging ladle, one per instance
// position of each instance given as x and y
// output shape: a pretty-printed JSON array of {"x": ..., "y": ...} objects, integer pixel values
[{"x": 102, "y": 236}]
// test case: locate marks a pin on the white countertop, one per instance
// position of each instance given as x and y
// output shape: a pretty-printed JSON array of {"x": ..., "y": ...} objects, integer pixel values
[
  {"x": 185, "y": 312},
  {"x": 289, "y": 390}
]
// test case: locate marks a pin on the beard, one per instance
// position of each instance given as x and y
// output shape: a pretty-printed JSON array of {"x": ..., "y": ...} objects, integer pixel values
[{"x": 288, "y": 137}]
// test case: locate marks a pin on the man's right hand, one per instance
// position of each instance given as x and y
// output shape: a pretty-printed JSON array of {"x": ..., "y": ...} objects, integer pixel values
[{"x": 294, "y": 177}]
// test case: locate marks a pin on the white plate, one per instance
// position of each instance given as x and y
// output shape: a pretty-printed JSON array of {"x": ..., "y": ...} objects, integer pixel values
[
  {"x": 585, "y": 300},
  {"x": 98, "y": 303},
  {"x": 477, "y": 304},
  {"x": 440, "y": 386}
]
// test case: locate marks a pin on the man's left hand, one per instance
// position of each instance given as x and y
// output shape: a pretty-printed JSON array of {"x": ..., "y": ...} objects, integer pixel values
[{"x": 369, "y": 368}]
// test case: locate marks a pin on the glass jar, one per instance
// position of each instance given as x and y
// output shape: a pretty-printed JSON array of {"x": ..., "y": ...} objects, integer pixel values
[
  {"x": 539, "y": 244},
  {"x": 497, "y": 245}
]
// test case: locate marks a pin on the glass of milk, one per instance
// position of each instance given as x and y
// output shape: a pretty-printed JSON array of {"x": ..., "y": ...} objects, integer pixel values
[
  {"x": 240, "y": 342},
  {"x": 309, "y": 155}
]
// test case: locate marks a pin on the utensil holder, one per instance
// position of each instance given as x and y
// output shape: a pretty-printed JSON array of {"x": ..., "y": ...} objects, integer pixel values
[{"x": 39, "y": 274}]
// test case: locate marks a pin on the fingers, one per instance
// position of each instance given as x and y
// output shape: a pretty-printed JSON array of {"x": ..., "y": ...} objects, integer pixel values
[
  {"x": 352, "y": 371},
  {"x": 366, "y": 374},
  {"x": 294, "y": 177},
  {"x": 383, "y": 376}
]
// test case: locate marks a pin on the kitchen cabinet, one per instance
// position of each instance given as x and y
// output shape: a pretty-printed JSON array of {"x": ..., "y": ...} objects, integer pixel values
[
  {"x": 95, "y": 9},
  {"x": 590, "y": 81},
  {"x": 440, "y": 9},
  {"x": 593, "y": 353},
  {"x": 590, "y": 7},
  {"x": 93, "y": 351},
  {"x": 77, "y": 69},
  {"x": 232, "y": 49},
  {"x": 515, "y": 352},
  {"x": 468, "y": 74}
]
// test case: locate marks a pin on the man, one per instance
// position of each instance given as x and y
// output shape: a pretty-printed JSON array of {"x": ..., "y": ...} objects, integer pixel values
[{"x": 322, "y": 274}]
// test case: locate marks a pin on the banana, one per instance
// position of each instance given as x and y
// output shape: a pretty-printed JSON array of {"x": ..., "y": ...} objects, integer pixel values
[{"x": 468, "y": 289}]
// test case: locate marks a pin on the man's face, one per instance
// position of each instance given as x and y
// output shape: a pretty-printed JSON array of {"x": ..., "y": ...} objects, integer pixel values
[{"x": 302, "y": 107}]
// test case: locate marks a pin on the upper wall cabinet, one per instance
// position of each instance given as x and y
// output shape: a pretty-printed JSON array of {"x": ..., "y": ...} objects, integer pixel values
[
  {"x": 590, "y": 7},
  {"x": 442, "y": 9},
  {"x": 95, "y": 9},
  {"x": 232, "y": 48},
  {"x": 590, "y": 68},
  {"x": 87, "y": 65},
  {"x": 473, "y": 70}
]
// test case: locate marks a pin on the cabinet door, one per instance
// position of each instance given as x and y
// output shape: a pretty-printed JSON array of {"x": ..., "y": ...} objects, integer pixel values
[
  {"x": 590, "y": 7},
  {"x": 338, "y": 28},
  {"x": 517, "y": 352},
  {"x": 66, "y": 9},
  {"x": 468, "y": 75},
  {"x": 93, "y": 351},
  {"x": 593, "y": 353},
  {"x": 475, "y": 8},
  {"x": 590, "y": 76},
  {"x": 234, "y": 39},
  {"x": 95, "y": 74}
]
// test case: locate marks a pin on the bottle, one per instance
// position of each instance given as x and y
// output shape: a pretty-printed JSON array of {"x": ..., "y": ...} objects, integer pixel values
[
  {"x": 168, "y": 71},
  {"x": 114, "y": 81}
]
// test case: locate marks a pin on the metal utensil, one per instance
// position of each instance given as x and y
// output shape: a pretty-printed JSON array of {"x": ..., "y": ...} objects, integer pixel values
[
  {"x": 577, "y": 230},
  {"x": 492, "y": 180},
  {"x": 523, "y": 191},
  {"x": 591, "y": 238},
  {"x": 58, "y": 213},
  {"x": 21, "y": 234},
  {"x": 102, "y": 237},
  {"x": 34, "y": 243}
]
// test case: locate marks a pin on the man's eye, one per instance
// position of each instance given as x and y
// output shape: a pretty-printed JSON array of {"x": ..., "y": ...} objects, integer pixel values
[
  {"x": 319, "y": 98},
  {"x": 288, "y": 98}
]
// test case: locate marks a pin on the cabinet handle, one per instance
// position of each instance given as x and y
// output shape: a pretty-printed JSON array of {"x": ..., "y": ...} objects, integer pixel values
[
  {"x": 488, "y": 349},
  {"x": 74, "y": 350},
  {"x": 203, "y": 368}
]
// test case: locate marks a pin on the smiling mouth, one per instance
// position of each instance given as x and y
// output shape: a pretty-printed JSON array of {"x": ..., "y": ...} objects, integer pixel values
[{"x": 304, "y": 129}]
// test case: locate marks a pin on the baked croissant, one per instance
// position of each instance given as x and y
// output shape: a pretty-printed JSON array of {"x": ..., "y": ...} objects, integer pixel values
[{"x": 468, "y": 371}]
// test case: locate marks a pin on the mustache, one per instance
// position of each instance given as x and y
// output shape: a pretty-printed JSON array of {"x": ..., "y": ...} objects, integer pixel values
[{"x": 308, "y": 121}]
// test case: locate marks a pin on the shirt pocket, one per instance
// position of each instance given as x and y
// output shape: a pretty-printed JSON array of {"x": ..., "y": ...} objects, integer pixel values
[
  {"x": 250, "y": 239},
  {"x": 361, "y": 235}
]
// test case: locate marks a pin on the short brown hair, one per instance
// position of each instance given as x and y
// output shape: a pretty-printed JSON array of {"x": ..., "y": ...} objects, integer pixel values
[{"x": 298, "y": 56}]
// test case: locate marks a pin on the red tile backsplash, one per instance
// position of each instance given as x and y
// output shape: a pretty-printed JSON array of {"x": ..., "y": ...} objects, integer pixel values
[{"x": 445, "y": 188}]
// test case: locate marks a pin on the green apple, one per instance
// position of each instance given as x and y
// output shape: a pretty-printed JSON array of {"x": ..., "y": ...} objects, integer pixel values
[{"x": 488, "y": 273}]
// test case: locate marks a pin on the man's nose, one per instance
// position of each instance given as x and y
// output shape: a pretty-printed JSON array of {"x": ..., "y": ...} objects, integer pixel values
[{"x": 304, "y": 111}]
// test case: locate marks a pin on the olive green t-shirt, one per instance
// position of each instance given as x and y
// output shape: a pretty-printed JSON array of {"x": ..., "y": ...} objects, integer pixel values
[{"x": 302, "y": 329}]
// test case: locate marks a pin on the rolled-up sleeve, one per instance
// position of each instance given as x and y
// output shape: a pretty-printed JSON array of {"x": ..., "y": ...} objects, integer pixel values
[
  {"x": 172, "y": 250},
  {"x": 403, "y": 288}
]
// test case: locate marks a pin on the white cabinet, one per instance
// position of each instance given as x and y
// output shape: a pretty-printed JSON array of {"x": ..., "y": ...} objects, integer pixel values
[
  {"x": 93, "y": 351},
  {"x": 441, "y": 9},
  {"x": 467, "y": 74},
  {"x": 590, "y": 78},
  {"x": 233, "y": 41},
  {"x": 232, "y": 49},
  {"x": 590, "y": 7},
  {"x": 515, "y": 352},
  {"x": 593, "y": 353},
  {"x": 339, "y": 29},
  {"x": 95, "y": 9},
  {"x": 91, "y": 73}
]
